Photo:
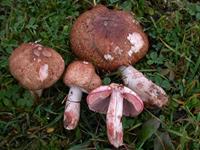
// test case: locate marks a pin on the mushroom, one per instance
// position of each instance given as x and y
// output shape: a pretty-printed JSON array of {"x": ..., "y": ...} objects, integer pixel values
[
  {"x": 36, "y": 67},
  {"x": 115, "y": 100},
  {"x": 113, "y": 39},
  {"x": 80, "y": 76}
]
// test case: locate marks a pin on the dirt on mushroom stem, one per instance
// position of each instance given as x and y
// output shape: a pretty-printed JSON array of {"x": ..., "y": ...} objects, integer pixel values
[
  {"x": 113, "y": 119},
  {"x": 152, "y": 95},
  {"x": 72, "y": 108}
]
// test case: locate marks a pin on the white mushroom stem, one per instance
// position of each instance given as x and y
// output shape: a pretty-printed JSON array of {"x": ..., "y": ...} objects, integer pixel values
[
  {"x": 94, "y": 2},
  {"x": 113, "y": 119},
  {"x": 150, "y": 93},
  {"x": 72, "y": 108}
]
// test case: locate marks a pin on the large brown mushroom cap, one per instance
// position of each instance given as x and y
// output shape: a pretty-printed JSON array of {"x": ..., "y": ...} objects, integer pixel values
[
  {"x": 108, "y": 38},
  {"x": 35, "y": 66},
  {"x": 82, "y": 74}
]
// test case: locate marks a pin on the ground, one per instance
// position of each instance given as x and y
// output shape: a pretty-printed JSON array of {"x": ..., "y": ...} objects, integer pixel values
[{"x": 173, "y": 62}]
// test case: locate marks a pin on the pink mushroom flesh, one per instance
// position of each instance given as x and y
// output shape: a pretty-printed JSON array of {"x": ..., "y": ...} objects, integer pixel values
[{"x": 114, "y": 101}]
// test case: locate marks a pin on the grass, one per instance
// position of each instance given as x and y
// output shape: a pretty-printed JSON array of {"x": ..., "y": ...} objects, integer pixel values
[{"x": 173, "y": 62}]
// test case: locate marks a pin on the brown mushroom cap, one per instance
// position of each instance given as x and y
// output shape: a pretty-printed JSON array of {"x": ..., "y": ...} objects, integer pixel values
[
  {"x": 83, "y": 75},
  {"x": 35, "y": 66},
  {"x": 108, "y": 38}
]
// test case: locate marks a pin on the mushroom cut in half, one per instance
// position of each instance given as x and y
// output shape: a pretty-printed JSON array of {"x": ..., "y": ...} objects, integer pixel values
[
  {"x": 36, "y": 67},
  {"x": 80, "y": 76},
  {"x": 113, "y": 39},
  {"x": 115, "y": 100}
]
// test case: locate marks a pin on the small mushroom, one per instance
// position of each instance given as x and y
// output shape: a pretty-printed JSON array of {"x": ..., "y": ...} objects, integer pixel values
[
  {"x": 80, "y": 76},
  {"x": 115, "y": 100},
  {"x": 36, "y": 67},
  {"x": 113, "y": 39}
]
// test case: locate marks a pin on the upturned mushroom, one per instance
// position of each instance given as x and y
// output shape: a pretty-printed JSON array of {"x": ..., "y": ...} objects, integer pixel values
[
  {"x": 113, "y": 39},
  {"x": 115, "y": 100},
  {"x": 36, "y": 67},
  {"x": 80, "y": 76}
]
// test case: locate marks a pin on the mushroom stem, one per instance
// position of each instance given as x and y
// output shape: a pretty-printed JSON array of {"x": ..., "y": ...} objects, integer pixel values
[
  {"x": 37, "y": 94},
  {"x": 150, "y": 93},
  {"x": 94, "y": 2},
  {"x": 113, "y": 119},
  {"x": 72, "y": 108}
]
